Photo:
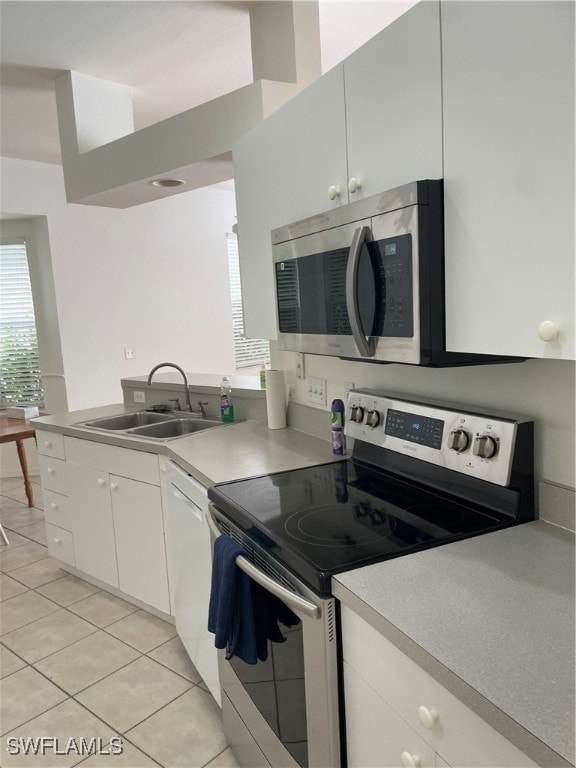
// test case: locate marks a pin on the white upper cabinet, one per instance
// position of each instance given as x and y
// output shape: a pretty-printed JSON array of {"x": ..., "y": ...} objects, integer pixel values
[
  {"x": 367, "y": 125},
  {"x": 283, "y": 169},
  {"x": 393, "y": 104},
  {"x": 508, "y": 101}
]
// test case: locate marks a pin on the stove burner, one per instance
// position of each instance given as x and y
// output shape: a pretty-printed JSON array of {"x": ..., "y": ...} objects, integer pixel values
[{"x": 329, "y": 525}]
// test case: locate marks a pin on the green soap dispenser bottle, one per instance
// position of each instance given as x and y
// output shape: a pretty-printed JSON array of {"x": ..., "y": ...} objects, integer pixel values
[{"x": 226, "y": 404}]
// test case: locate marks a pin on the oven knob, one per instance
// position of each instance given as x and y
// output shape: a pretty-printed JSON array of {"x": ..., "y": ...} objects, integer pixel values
[
  {"x": 372, "y": 419},
  {"x": 485, "y": 447},
  {"x": 357, "y": 413},
  {"x": 458, "y": 440}
]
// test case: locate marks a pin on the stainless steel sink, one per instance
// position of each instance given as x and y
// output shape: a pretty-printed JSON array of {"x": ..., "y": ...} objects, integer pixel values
[
  {"x": 174, "y": 428},
  {"x": 127, "y": 420},
  {"x": 151, "y": 425}
]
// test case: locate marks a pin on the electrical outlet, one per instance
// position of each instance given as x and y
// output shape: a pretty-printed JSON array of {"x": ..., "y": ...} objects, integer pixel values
[
  {"x": 139, "y": 397},
  {"x": 129, "y": 353},
  {"x": 348, "y": 385},
  {"x": 316, "y": 390},
  {"x": 300, "y": 372}
]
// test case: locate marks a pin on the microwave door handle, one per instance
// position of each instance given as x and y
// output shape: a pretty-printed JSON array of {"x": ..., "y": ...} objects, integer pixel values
[
  {"x": 291, "y": 599},
  {"x": 367, "y": 347}
]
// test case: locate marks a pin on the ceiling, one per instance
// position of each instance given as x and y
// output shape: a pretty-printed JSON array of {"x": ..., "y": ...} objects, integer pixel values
[{"x": 174, "y": 55}]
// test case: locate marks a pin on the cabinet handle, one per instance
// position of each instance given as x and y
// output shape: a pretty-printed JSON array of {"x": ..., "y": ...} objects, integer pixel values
[
  {"x": 49, "y": 470},
  {"x": 333, "y": 192},
  {"x": 427, "y": 717},
  {"x": 354, "y": 185},
  {"x": 410, "y": 761},
  {"x": 113, "y": 486},
  {"x": 548, "y": 330},
  {"x": 101, "y": 482},
  {"x": 53, "y": 505}
]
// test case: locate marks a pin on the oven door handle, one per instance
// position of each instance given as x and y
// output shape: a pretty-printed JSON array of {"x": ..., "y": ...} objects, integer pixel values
[
  {"x": 291, "y": 599},
  {"x": 366, "y": 347}
]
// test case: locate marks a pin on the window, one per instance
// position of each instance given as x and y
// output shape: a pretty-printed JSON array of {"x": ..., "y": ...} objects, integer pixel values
[
  {"x": 20, "y": 379},
  {"x": 248, "y": 351}
]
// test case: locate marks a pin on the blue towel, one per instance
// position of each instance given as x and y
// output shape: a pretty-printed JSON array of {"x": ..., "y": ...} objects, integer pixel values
[
  {"x": 231, "y": 612},
  {"x": 243, "y": 615}
]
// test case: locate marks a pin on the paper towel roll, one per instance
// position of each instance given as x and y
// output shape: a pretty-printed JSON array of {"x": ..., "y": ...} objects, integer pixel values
[{"x": 275, "y": 399}]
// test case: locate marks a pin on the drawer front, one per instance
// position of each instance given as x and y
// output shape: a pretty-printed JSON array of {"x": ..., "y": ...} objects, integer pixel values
[
  {"x": 457, "y": 733},
  {"x": 60, "y": 544},
  {"x": 53, "y": 473},
  {"x": 125, "y": 462},
  {"x": 57, "y": 509},
  {"x": 376, "y": 736},
  {"x": 50, "y": 444}
]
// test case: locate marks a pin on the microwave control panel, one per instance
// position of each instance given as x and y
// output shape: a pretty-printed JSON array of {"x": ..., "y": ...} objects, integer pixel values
[{"x": 474, "y": 444}]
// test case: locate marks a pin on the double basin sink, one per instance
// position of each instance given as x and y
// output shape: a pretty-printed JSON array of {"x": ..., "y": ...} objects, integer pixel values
[{"x": 151, "y": 425}]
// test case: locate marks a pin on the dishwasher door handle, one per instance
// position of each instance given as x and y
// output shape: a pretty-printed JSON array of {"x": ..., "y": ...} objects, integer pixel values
[{"x": 291, "y": 599}]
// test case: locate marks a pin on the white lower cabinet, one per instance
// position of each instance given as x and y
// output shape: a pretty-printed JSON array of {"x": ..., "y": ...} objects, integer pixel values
[
  {"x": 139, "y": 533},
  {"x": 93, "y": 524},
  {"x": 104, "y": 514},
  {"x": 410, "y": 711},
  {"x": 377, "y": 737}
]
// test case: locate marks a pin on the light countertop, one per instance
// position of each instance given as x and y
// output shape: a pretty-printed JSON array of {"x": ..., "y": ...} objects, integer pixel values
[
  {"x": 492, "y": 619},
  {"x": 227, "y": 452}
]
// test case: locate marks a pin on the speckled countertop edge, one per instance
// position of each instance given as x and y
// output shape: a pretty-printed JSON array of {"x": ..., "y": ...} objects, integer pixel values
[{"x": 356, "y": 589}]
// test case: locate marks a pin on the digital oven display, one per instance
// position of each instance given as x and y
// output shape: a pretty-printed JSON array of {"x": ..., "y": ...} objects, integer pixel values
[{"x": 415, "y": 428}]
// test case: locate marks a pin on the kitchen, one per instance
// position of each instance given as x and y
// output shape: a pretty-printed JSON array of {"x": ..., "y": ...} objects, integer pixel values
[{"x": 513, "y": 388}]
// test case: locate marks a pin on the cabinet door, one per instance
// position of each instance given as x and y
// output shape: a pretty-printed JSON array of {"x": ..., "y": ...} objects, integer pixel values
[
  {"x": 508, "y": 97},
  {"x": 393, "y": 103},
  {"x": 282, "y": 172},
  {"x": 92, "y": 524},
  {"x": 375, "y": 735},
  {"x": 138, "y": 523}
]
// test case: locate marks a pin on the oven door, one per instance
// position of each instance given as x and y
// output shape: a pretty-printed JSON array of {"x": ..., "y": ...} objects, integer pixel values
[
  {"x": 352, "y": 291},
  {"x": 284, "y": 711}
]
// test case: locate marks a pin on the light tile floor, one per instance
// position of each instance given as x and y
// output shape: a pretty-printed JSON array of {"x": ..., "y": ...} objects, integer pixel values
[{"x": 77, "y": 662}]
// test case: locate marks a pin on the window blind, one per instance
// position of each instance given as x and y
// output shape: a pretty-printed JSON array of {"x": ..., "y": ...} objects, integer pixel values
[
  {"x": 248, "y": 351},
  {"x": 20, "y": 378}
]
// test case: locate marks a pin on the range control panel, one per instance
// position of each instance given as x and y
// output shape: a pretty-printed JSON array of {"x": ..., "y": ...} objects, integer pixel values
[{"x": 472, "y": 443}]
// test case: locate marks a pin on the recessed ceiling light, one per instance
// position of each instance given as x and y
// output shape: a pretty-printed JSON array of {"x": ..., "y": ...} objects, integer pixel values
[{"x": 167, "y": 182}]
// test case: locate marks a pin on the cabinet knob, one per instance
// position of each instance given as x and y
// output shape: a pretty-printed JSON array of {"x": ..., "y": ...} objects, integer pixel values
[
  {"x": 47, "y": 444},
  {"x": 113, "y": 486},
  {"x": 410, "y": 761},
  {"x": 427, "y": 717},
  {"x": 53, "y": 505},
  {"x": 333, "y": 192},
  {"x": 354, "y": 185},
  {"x": 548, "y": 330},
  {"x": 49, "y": 470},
  {"x": 57, "y": 540},
  {"x": 101, "y": 482}
]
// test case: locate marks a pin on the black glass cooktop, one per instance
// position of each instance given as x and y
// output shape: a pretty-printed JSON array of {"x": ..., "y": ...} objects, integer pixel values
[{"x": 331, "y": 518}]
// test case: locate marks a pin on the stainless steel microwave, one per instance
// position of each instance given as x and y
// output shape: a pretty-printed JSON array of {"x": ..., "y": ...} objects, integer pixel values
[{"x": 366, "y": 281}]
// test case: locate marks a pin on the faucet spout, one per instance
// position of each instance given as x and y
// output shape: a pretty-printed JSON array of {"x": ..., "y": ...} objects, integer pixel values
[{"x": 177, "y": 367}]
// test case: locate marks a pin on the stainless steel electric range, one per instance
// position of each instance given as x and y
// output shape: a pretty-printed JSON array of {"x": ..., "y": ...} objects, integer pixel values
[{"x": 420, "y": 475}]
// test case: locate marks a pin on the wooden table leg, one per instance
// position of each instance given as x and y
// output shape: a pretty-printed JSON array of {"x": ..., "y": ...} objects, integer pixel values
[{"x": 24, "y": 464}]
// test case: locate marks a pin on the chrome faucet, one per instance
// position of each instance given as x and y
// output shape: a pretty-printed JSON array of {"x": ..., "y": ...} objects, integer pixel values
[{"x": 186, "y": 391}]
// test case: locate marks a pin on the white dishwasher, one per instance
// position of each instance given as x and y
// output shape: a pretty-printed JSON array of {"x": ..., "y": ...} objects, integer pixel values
[{"x": 190, "y": 568}]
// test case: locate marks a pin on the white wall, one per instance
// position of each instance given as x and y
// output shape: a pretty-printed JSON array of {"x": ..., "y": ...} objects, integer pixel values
[
  {"x": 539, "y": 389},
  {"x": 153, "y": 278}
]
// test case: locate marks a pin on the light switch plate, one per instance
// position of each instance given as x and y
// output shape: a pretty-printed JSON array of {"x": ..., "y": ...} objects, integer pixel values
[{"x": 316, "y": 390}]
